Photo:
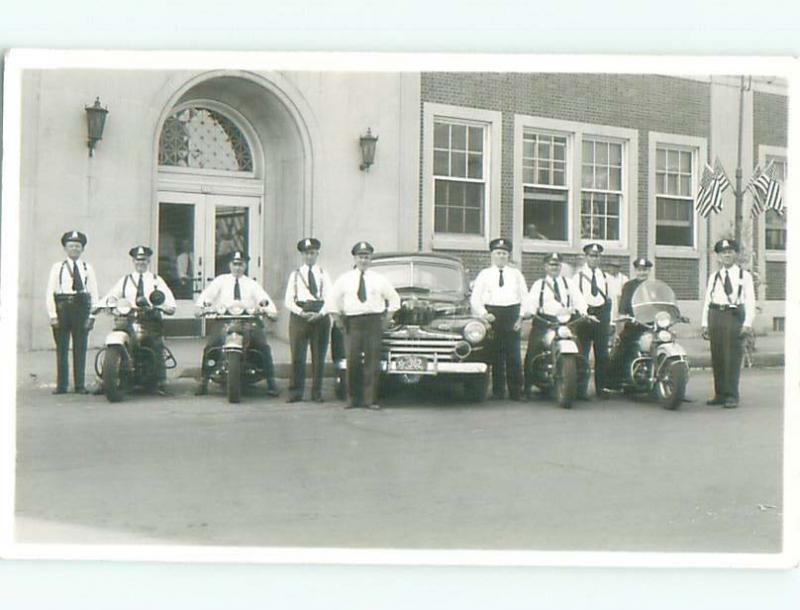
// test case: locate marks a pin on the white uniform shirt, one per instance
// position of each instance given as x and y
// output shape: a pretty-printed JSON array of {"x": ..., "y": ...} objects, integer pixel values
[
  {"x": 487, "y": 290},
  {"x": 583, "y": 280},
  {"x": 127, "y": 290},
  {"x": 715, "y": 293},
  {"x": 221, "y": 292},
  {"x": 297, "y": 288},
  {"x": 381, "y": 295},
  {"x": 60, "y": 282},
  {"x": 543, "y": 291}
]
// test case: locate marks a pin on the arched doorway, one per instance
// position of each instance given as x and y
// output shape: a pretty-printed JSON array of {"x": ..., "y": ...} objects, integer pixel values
[{"x": 231, "y": 176}]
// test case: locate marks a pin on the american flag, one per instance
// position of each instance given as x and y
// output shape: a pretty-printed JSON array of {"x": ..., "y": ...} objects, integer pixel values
[
  {"x": 766, "y": 190},
  {"x": 713, "y": 183}
]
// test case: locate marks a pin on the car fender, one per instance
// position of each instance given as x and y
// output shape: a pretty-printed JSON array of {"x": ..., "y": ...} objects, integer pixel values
[
  {"x": 233, "y": 342},
  {"x": 670, "y": 350},
  {"x": 567, "y": 346}
]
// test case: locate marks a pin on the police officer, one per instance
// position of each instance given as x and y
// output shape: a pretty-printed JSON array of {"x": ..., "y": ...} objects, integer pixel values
[
  {"x": 227, "y": 289},
  {"x": 593, "y": 284},
  {"x": 361, "y": 301},
  {"x": 308, "y": 324},
  {"x": 500, "y": 296},
  {"x": 549, "y": 295},
  {"x": 629, "y": 333},
  {"x": 728, "y": 312},
  {"x": 71, "y": 296},
  {"x": 140, "y": 284}
]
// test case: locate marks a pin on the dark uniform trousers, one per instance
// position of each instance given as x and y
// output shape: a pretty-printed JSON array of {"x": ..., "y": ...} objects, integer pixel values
[
  {"x": 363, "y": 335},
  {"x": 622, "y": 355},
  {"x": 301, "y": 334},
  {"x": 507, "y": 364},
  {"x": 724, "y": 333},
  {"x": 73, "y": 313},
  {"x": 535, "y": 345},
  {"x": 594, "y": 335},
  {"x": 155, "y": 341},
  {"x": 258, "y": 340}
]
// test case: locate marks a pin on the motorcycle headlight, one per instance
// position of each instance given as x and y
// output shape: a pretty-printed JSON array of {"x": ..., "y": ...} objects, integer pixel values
[
  {"x": 646, "y": 342},
  {"x": 564, "y": 332},
  {"x": 663, "y": 319},
  {"x": 112, "y": 301},
  {"x": 664, "y": 336},
  {"x": 236, "y": 309},
  {"x": 221, "y": 309},
  {"x": 474, "y": 331},
  {"x": 563, "y": 317},
  {"x": 123, "y": 307}
]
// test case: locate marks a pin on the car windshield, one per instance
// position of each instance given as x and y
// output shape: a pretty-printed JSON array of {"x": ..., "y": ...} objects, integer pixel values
[
  {"x": 650, "y": 298},
  {"x": 426, "y": 276}
]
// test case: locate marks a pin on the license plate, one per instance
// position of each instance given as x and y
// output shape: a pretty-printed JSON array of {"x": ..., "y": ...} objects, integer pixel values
[{"x": 414, "y": 364}]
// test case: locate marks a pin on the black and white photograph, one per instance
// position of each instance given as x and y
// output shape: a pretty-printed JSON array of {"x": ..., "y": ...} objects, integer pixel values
[{"x": 398, "y": 309}]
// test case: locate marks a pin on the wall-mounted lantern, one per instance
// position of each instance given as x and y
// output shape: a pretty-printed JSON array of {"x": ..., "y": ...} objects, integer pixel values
[
  {"x": 368, "y": 142},
  {"x": 96, "y": 119}
]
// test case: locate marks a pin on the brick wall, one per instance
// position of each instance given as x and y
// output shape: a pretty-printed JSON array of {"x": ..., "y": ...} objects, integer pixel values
[
  {"x": 682, "y": 275},
  {"x": 770, "y": 128},
  {"x": 776, "y": 280},
  {"x": 643, "y": 102}
]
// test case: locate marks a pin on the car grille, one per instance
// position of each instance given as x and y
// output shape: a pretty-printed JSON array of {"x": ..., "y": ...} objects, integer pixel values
[{"x": 443, "y": 349}]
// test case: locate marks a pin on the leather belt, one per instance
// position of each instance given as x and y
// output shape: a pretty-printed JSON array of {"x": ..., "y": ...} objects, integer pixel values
[{"x": 723, "y": 307}]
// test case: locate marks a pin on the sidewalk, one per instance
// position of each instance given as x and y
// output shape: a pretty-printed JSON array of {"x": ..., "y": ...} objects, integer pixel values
[{"x": 38, "y": 366}]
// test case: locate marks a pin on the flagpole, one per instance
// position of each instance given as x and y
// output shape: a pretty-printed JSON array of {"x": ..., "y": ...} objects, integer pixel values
[{"x": 738, "y": 190}]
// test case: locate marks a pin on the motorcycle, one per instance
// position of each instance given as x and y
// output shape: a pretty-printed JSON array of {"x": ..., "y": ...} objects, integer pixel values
[
  {"x": 554, "y": 369},
  {"x": 660, "y": 367},
  {"x": 235, "y": 362},
  {"x": 127, "y": 360}
]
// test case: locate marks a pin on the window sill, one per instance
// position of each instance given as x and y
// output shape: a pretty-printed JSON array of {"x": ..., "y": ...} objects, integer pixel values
[
  {"x": 460, "y": 242},
  {"x": 775, "y": 256},
  {"x": 536, "y": 246},
  {"x": 676, "y": 252}
]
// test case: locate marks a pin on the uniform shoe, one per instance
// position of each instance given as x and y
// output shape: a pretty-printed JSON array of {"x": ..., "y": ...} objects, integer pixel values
[
  {"x": 715, "y": 401},
  {"x": 202, "y": 390},
  {"x": 272, "y": 390},
  {"x": 374, "y": 406},
  {"x": 318, "y": 399},
  {"x": 602, "y": 395},
  {"x": 731, "y": 403},
  {"x": 59, "y": 391},
  {"x": 162, "y": 390},
  {"x": 81, "y": 391},
  {"x": 294, "y": 399}
]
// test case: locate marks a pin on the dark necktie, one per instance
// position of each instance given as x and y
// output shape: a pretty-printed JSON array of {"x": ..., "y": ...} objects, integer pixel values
[
  {"x": 140, "y": 287},
  {"x": 595, "y": 289},
  {"x": 501, "y": 282},
  {"x": 556, "y": 291},
  {"x": 362, "y": 288},
  {"x": 237, "y": 291},
  {"x": 728, "y": 285},
  {"x": 77, "y": 280},
  {"x": 312, "y": 283}
]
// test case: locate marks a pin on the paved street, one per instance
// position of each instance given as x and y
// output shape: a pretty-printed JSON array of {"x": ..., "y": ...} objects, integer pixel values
[{"x": 427, "y": 471}]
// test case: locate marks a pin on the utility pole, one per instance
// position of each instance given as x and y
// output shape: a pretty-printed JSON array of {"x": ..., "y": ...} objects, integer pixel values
[{"x": 738, "y": 187}]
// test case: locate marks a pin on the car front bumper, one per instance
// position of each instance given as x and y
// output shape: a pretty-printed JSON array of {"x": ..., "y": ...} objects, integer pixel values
[{"x": 432, "y": 368}]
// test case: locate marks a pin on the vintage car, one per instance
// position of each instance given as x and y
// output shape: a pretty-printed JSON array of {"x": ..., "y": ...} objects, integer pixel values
[{"x": 433, "y": 335}]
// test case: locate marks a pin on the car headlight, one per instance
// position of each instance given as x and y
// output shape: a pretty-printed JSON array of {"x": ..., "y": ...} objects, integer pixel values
[
  {"x": 663, "y": 319},
  {"x": 664, "y": 336},
  {"x": 564, "y": 332},
  {"x": 236, "y": 309},
  {"x": 221, "y": 309},
  {"x": 646, "y": 342},
  {"x": 474, "y": 331}
]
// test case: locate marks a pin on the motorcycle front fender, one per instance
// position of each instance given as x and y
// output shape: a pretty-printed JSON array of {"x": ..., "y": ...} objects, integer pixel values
[
  {"x": 669, "y": 350},
  {"x": 233, "y": 342},
  {"x": 567, "y": 346},
  {"x": 118, "y": 337}
]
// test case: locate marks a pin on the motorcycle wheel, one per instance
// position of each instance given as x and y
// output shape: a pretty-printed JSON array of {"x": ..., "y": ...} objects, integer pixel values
[
  {"x": 234, "y": 381},
  {"x": 671, "y": 385},
  {"x": 476, "y": 387},
  {"x": 566, "y": 381},
  {"x": 114, "y": 375}
]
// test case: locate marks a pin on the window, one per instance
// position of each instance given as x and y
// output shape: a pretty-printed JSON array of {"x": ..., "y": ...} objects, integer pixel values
[
  {"x": 774, "y": 223},
  {"x": 674, "y": 200},
  {"x": 545, "y": 213},
  {"x": 459, "y": 175},
  {"x": 601, "y": 192}
]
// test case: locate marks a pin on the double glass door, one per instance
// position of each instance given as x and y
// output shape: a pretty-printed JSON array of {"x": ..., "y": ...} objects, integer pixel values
[{"x": 197, "y": 235}]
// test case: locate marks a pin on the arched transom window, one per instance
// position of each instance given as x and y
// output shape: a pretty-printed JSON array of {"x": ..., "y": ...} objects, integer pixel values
[{"x": 201, "y": 138}]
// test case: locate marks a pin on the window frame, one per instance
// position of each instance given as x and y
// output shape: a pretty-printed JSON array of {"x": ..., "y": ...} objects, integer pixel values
[
  {"x": 491, "y": 122},
  {"x": 575, "y": 133},
  {"x": 699, "y": 148},
  {"x": 695, "y": 173},
  {"x": 765, "y": 151}
]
